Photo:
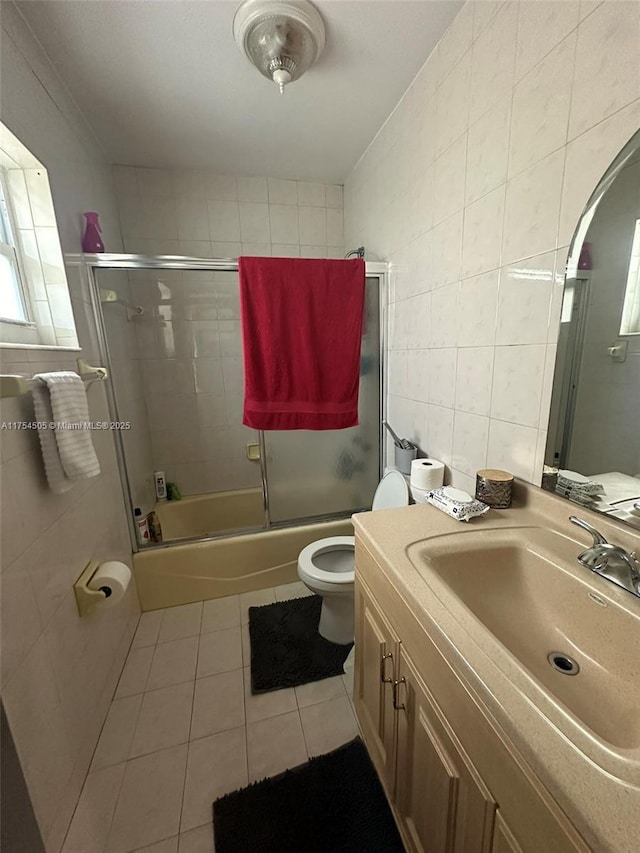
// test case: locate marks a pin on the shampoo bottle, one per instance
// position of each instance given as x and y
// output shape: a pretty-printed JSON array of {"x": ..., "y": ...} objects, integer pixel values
[
  {"x": 161, "y": 485},
  {"x": 142, "y": 527}
]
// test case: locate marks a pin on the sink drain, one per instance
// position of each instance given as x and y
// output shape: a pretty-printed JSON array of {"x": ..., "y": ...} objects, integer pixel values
[{"x": 563, "y": 663}]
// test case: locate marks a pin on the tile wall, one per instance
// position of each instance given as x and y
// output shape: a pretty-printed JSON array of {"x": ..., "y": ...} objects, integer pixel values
[
  {"x": 189, "y": 342},
  {"x": 58, "y": 671},
  {"x": 472, "y": 190}
]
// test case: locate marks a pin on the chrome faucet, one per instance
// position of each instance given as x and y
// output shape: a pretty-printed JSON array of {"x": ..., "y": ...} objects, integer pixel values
[{"x": 610, "y": 561}]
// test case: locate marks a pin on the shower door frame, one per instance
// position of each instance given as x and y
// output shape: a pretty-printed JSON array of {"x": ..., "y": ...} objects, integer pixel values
[{"x": 122, "y": 261}]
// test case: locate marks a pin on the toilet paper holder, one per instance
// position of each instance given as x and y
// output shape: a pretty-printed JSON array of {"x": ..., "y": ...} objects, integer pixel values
[{"x": 86, "y": 598}]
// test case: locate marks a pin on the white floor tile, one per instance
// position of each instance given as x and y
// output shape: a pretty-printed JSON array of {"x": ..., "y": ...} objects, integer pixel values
[
  {"x": 259, "y": 706},
  {"x": 164, "y": 719},
  {"x": 173, "y": 663},
  {"x": 220, "y": 651},
  {"x": 328, "y": 725},
  {"x": 218, "y": 704},
  {"x": 217, "y": 765},
  {"x": 181, "y": 622},
  {"x": 292, "y": 590},
  {"x": 319, "y": 691},
  {"x": 117, "y": 732},
  {"x": 221, "y": 613},
  {"x": 148, "y": 629},
  {"x": 148, "y": 807},
  {"x": 135, "y": 673},
  {"x": 199, "y": 840},
  {"x": 90, "y": 825},
  {"x": 275, "y": 744},
  {"x": 255, "y": 599}
]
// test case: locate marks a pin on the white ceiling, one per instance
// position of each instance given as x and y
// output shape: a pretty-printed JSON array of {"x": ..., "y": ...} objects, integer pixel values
[{"x": 163, "y": 84}]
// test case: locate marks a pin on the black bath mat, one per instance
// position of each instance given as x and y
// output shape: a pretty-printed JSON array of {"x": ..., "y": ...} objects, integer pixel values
[
  {"x": 286, "y": 648},
  {"x": 332, "y": 804}
]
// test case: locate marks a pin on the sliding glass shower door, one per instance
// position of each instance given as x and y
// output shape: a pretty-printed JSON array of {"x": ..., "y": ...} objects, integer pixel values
[{"x": 316, "y": 473}]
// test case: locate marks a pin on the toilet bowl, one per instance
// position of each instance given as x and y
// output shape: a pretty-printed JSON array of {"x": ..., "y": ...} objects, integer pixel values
[{"x": 326, "y": 566}]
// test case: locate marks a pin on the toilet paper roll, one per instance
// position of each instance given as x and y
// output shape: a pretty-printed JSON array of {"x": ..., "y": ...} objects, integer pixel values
[
  {"x": 112, "y": 578},
  {"x": 427, "y": 473}
]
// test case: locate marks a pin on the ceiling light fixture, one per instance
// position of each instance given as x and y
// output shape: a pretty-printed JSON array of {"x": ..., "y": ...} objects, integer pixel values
[{"x": 282, "y": 38}]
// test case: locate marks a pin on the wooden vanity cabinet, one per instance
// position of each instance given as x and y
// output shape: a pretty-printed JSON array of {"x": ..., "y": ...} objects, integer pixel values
[
  {"x": 453, "y": 782},
  {"x": 377, "y": 651},
  {"x": 441, "y": 800}
]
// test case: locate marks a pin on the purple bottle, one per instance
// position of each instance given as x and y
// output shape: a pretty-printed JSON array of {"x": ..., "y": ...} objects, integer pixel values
[{"x": 92, "y": 241}]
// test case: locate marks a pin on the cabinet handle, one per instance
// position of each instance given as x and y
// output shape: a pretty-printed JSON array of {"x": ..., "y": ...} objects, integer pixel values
[
  {"x": 396, "y": 685},
  {"x": 383, "y": 678}
]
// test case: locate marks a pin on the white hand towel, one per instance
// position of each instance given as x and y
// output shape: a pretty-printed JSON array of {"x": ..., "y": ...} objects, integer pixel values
[
  {"x": 58, "y": 481},
  {"x": 68, "y": 402}
]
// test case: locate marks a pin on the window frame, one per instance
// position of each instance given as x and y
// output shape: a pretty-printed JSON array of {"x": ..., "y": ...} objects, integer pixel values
[{"x": 12, "y": 251}]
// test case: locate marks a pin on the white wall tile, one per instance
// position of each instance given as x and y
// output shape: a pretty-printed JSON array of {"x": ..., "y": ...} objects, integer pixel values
[
  {"x": 449, "y": 180},
  {"x": 254, "y": 223},
  {"x": 455, "y": 42},
  {"x": 477, "y": 306},
  {"x": 524, "y": 301},
  {"x": 488, "y": 151},
  {"x": 221, "y": 187},
  {"x": 512, "y": 448},
  {"x": 546, "y": 92},
  {"x": 607, "y": 76},
  {"x": 470, "y": 438},
  {"x": 550, "y": 22},
  {"x": 193, "y": 218},
  {"x": 282, "y": 191},
  {"x": 453, "y": 105},
  {"x": 252, "y": 189},
  {"x": 311, "y": 194},
  {"x": 517, "y": 384},
  {"x": 334, "y": 195},
  {"x": 474, "y": 378},
  {"x": 493, "y": 61},
  {"x": 482, "y": 233},
  {"x": 440, "y": 433},
  {"x": 446, "y": 251},
  {"x": 313, "y": 226},
  {"x": 444, "y": 316},
  {"x": 442, "y": 377},
  {"x": 284, "y": 223},
  {"x": 224, "y": 220},
  {"x": 532, "y": 209}
]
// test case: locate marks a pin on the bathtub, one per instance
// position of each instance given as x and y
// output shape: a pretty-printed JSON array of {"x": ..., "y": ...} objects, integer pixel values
[
  {"x": 196, "y": 571},
  {"x": 206, "y": 515}
]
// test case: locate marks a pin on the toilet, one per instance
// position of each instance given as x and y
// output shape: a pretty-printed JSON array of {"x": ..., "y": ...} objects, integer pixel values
[{"x": 326, "y": 566}]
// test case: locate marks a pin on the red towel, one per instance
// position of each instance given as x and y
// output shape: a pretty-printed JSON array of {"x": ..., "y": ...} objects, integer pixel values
[{"x": 301, "y": 331}]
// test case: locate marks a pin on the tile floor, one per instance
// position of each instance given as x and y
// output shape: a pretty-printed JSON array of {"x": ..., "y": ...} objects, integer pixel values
[{"x": 183, "y": 729}]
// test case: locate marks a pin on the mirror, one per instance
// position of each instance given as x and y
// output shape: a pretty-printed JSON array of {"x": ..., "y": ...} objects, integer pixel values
[{"x": 594, "y": 425}]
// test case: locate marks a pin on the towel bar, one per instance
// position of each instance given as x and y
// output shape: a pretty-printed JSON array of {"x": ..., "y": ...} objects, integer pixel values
[{"x": 16, "y": 386}]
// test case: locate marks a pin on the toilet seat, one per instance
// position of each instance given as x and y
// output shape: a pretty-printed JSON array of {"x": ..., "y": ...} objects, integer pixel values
[{"x": 316, "y": 549}]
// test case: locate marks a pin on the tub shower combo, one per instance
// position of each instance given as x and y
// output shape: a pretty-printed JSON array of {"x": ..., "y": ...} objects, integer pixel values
[{"x": 169, "y": 331}]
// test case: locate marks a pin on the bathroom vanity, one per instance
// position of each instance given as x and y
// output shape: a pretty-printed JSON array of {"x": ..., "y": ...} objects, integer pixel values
[{"x": 482, "y": 745}]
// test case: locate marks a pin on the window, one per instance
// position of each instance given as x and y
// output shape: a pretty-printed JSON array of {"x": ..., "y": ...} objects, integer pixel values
[
  {"x": 630, "y": 324},
  {"x": 12, "y": 299},
  {"x": 35, "y": 305}
]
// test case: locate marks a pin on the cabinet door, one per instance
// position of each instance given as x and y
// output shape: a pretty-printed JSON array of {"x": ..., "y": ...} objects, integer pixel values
[
  {"x": 442, "y": 802},
  {"x": 375, "y": 665},
  {"x": 503, "y": 840}
]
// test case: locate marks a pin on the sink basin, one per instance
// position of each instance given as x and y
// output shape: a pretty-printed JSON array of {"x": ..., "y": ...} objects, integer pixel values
[{"x": 521, "y": 584}]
